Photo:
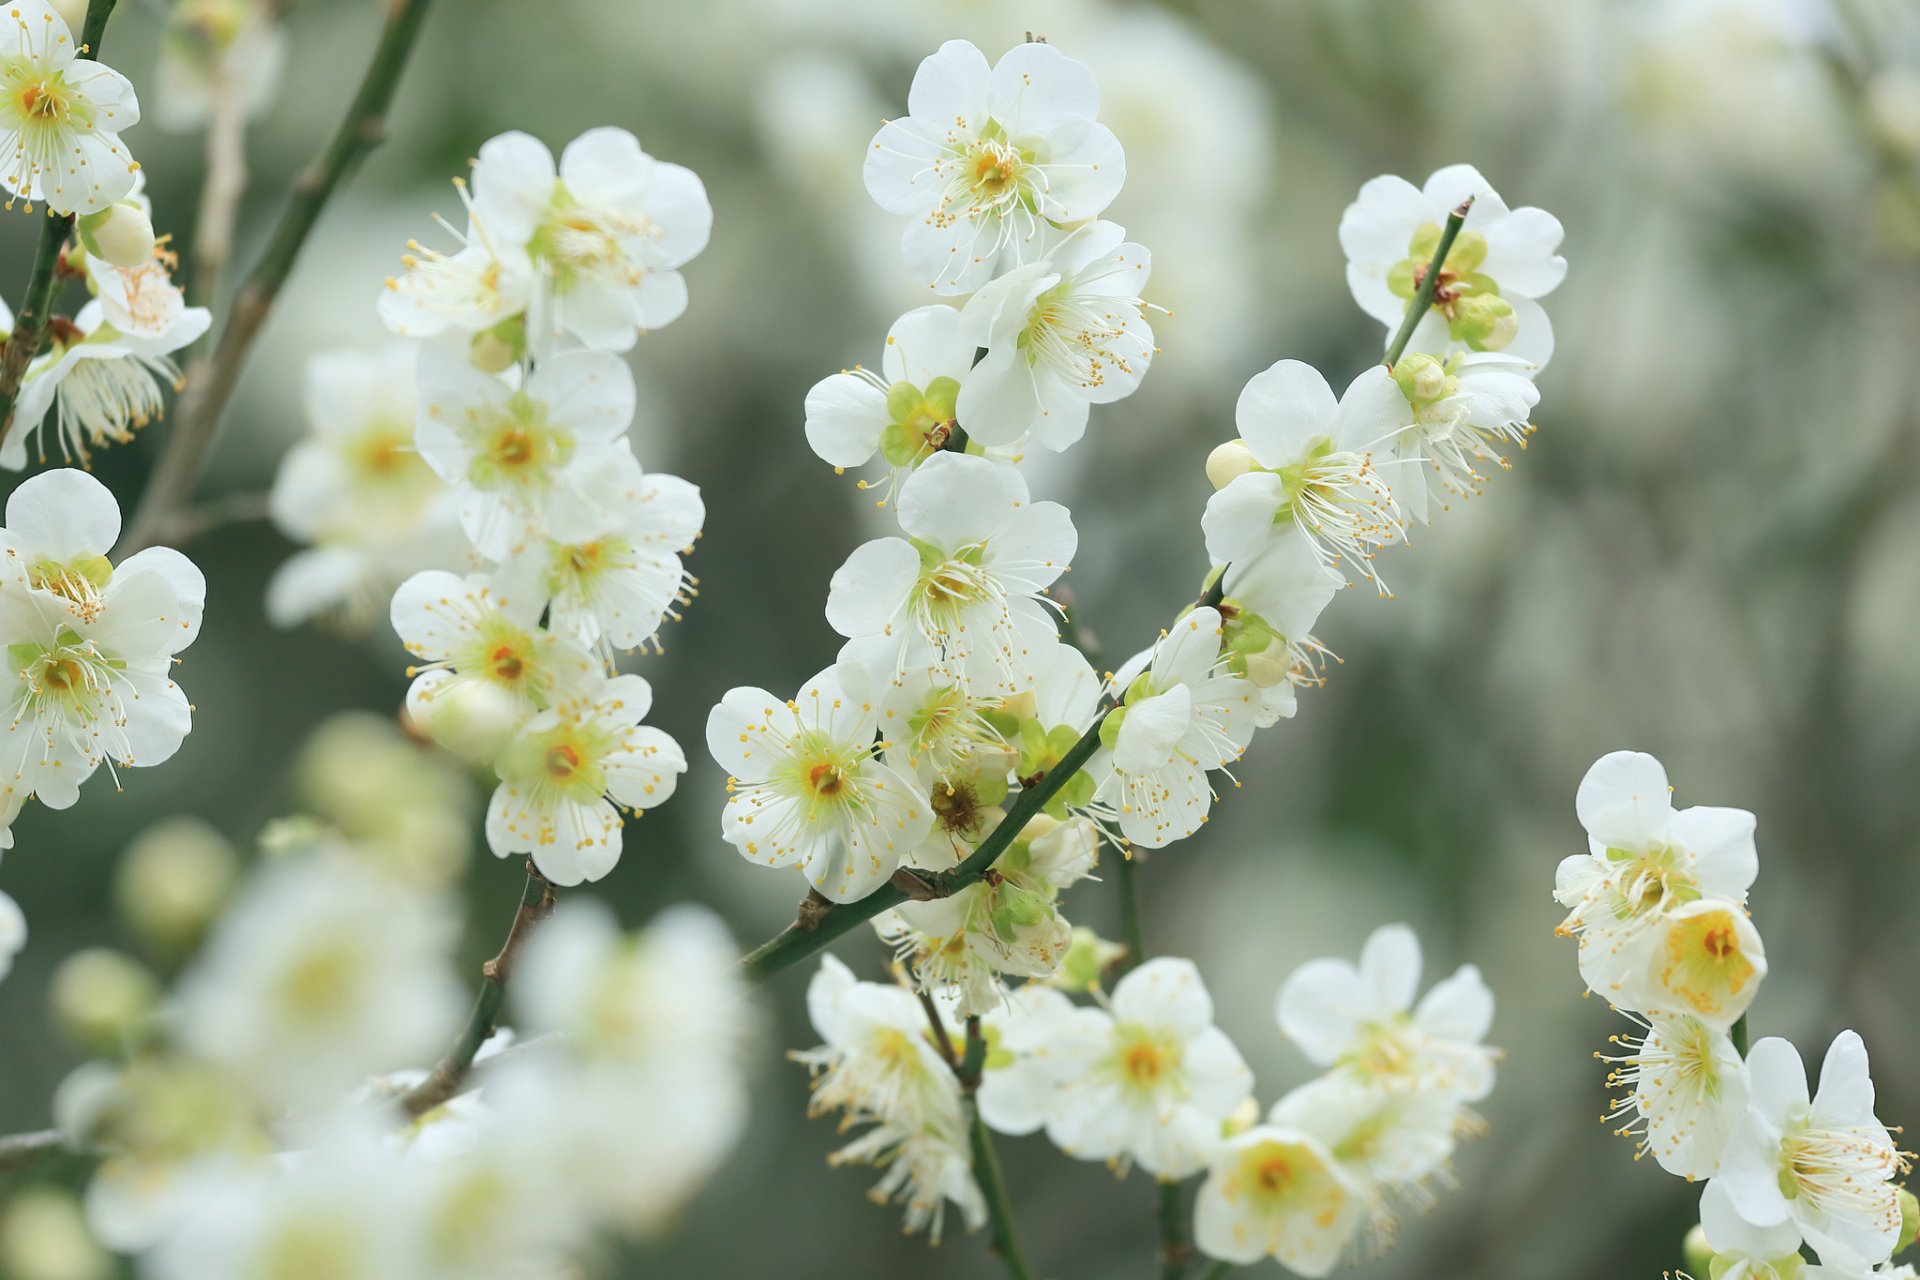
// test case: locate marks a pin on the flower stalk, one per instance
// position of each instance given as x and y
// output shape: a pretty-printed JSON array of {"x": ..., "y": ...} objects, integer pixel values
[{"x": 1423, "y": 296}]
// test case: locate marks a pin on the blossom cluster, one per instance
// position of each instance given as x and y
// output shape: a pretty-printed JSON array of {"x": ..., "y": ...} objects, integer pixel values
[
  {"x": 1658, "y": 905},
  {"x": 966, "y": 757},
  {"x": 1142, "y": 1076}
]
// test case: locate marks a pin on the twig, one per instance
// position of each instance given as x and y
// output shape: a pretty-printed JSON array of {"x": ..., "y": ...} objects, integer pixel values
[
  {"x": 799, "y": 941},
  {"x": 444, "y": 1081},
  {"x": 206, "y": 398},
  {"x": 215, "y": 513},
  {"x": 1175, "y": 1249},
  {"x": 225, "y": 183},
  {"x": 19, "y": 1149},
  {"x": 1423, "y": 296},
  {"x": 1217, "y": 1271},
  {"x": 942, "y": 1042},
  {"x": 30, "y": 322},
  {"x": 1130, "y": 928},
  {"x": 986, "y": 1166}
]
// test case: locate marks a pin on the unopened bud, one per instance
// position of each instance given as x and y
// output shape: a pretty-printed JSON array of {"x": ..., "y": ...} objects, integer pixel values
[
  {"x": 1485, "y": 322},
  {"x": 1270, "y": 666},
  {"x": 101, "y": 997},
  {"x": 1909, "y": 1221},
  {"x": 120, "y": 233},
  {"x": 498, "y": 349},
  {"x": 173, "y": 881},
  {"x": 1228, "y": 462},
  {"x": 1422, "y": 378},
  {"x": 470, "y": 718},
  {"x": 1697, "y": 1252},
  {"x": 43, "y": 1236},
  {"x": 1088, "y": 958},
  {"x": 13, "y": 932}
]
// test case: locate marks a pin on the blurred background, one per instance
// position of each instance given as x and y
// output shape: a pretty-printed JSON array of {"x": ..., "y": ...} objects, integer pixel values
[{"x": 1709, "y": 551}]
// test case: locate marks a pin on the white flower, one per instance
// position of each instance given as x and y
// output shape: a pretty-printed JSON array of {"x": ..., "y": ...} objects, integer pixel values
[
  {"x": 905, "y": 412},
  {"x": 1275, "y": 1192},
  {"x": 141, "y": 301},
  {"x": 614, "y": 588},
  {"x": 524, "y": 459},
  {"x": 103, "y": 384},
  {"x": 357, "y": 489},
  {"x": 13, "y": 932},
  {"x": 806, "y": 787},
  {"x": 1019, "y": 1081},
  {"x": 321, "y": 974},
  {"x": 880, "y": 1067},
  {"x": 1272, "y": 601},
  {"x": 946, "y": 735},
  {"x": 967, "y": 580},
  {"x": 1743, "y": 1251},
  {"x": 206, "y": 41},
  {"x": 1363, "y": 1023},
  {"x": 1686, "y": 1090},
  {"x": 468, "y": 636},
  {"x": 1460, "y": 412},
  {"x": 1658, "y": 902},
  {"x": 1823, "y": 1165},
  {"x": 89, "y": 648},
  {"x": 1062, "y": 333},
  {"x": 1316, "y": 465},
  {"x": 1150, "y": 1079},
  {"x": 61, "y": 117},
  {"x": 986, "y": 159},
  {"x": 486, "y": 282},
  {"x": 568, "y": 773},
  {"x": 1183, "y": 714},
  {"x": 607, "y": 233},
  {"x": 1501, "y": 262}
]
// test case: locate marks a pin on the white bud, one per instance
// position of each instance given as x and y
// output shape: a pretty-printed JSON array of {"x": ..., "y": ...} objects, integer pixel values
[
  {"x": 74, "y": 14},
  {"x": 123, "y": 235},
  {"x": 1228, "y": 462},
  {"x": 43, "y": 1236},
  {"x": 1271, "y": 666}
]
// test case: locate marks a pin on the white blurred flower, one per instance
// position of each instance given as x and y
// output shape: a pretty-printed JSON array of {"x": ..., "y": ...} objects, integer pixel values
[
  {"x": 806, "y": 788},
  {"x": 357, "y": 491},
  {"x": 1148, "y": 1080},
  {"x": 1362, "y": 1022},
  {"x": 607, "y": 232},
  {"x": 321, "y": 974},
  {"x": 1657, "y": 903},
  {"x": 61, "y": 118},
  {"x": 13, "y": 932},
  {"x": 1317, "y": 464},
  {"x": 1182, "y": 714},
  {"x": 1501, "y": 262},
  {"x": 524, "y": 460},
  {"x": 1062, "y": 333},
  {"x": 569, "y": 773},
  {"x": 1019, "y": 1081},
  {"x": 987, "y": 157},
  {"x": 206, "y": 41},
  {"x": 101, "y": 383},
  {"x": 1276, "y": 1192},
  {"x": 1823, "y": 1165},
  {"x": 967, "y": 581}
]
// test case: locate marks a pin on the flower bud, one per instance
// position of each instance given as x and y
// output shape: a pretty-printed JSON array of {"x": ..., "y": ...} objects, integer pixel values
[
  {"x": 1909, "y": 1221},
  {"x": 120, "y": 233},
  {"x": 1422, "y": 379},
  {"x": 1088, "y": 957},
  {"x": 101, "y": 997},
  {"x": 43, "y": 1236},
  {"x": 1485, "y": 322},
  {"x": 498, "y": 349},
  {"x": 1244, "y": 1117},
  {"x": 468, "y": 718},
  {"x": 1228, "y": 462},
  {"x": 74, "y": 14},
  {"x": 1271, "y": 666},
  {"x": 1697, "y": 1252},
  {"x": 174, "y": 879}
]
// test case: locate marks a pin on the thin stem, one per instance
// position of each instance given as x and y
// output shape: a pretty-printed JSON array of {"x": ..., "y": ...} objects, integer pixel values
[
  {"x": 20, "y": 1149},
  {"x": 942, "y": 1042},
  {"x": 1739, "y": 1035},
  {"x": 1217, "y": 1271},
  {"x": 206, "y": 398},
  {"x": 36, "y": 304},
  {"x": 1175, "y": 1249},
  {"x": 225, "y": 183},
  {"x": 1131, "y": 931},
  {"x": 1423, "y": 296},
  {"x": 822, "y": 924},
  {"x": 986, "y": 1165},
  {"x": 444, "y": 1081}
]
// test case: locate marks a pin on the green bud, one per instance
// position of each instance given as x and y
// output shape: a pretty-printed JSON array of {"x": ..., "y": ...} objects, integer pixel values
[
  {"x": 1110, "y": 727},
  {"x": 43, "y": 1236},
  {"x": 1016, "y": 908},
  {"x": 1697, "y": 1252},
  {"x": 1087, "y": 961},
  {"x": 121, "y": 234},
  {"x": 173, "y": 881},
  {"x": 1909, "y": 1221},
  {"x": 101, "y": 998},
  {"x": 1422, "y": 379},
  {"x": 1484, "y": 322}
]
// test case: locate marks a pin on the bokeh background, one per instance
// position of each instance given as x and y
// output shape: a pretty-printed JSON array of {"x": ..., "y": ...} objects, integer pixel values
[{"x": 1709, "y": 551}]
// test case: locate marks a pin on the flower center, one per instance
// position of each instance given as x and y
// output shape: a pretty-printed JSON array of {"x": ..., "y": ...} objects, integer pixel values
[
  {"x": 563, "y": 760},
  {"x": 44, "y": 101},
  {"x": 826, "y": 779},
  {"x": 508, "y": 663},
  {"x": 1148, "y": 1060},
  {"x": 1705, "y": 964}
]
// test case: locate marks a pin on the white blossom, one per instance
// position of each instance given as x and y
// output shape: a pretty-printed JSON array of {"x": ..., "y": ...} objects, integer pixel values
[{"x": 61, "y": 117}]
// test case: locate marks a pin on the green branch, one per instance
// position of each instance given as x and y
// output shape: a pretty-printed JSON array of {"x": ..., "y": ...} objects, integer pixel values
[
  {"x": 444, "y": 1081},
  {"x": 211, "y": 387},
  {"x": 1739, "y": 1035},
  {"x": 822, "y": 924},
  {"x": 986, "y": 1162},
  {"x": 19, "y": 1149},
  {"x": 1131, "y": 932},
  {"x": 36, "y": 304},
  {"x": 1423, "y": 296},
  {"x": 1176, "y": 1250}
]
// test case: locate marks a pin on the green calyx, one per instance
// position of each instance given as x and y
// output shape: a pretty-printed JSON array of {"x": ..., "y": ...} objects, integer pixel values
[
  {"x": 1041, "y": 751},
  {"x": 1909, "y": 1221},
  {"x": 919, "y": 420},
  {"x": 1469, "y": 299}
]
